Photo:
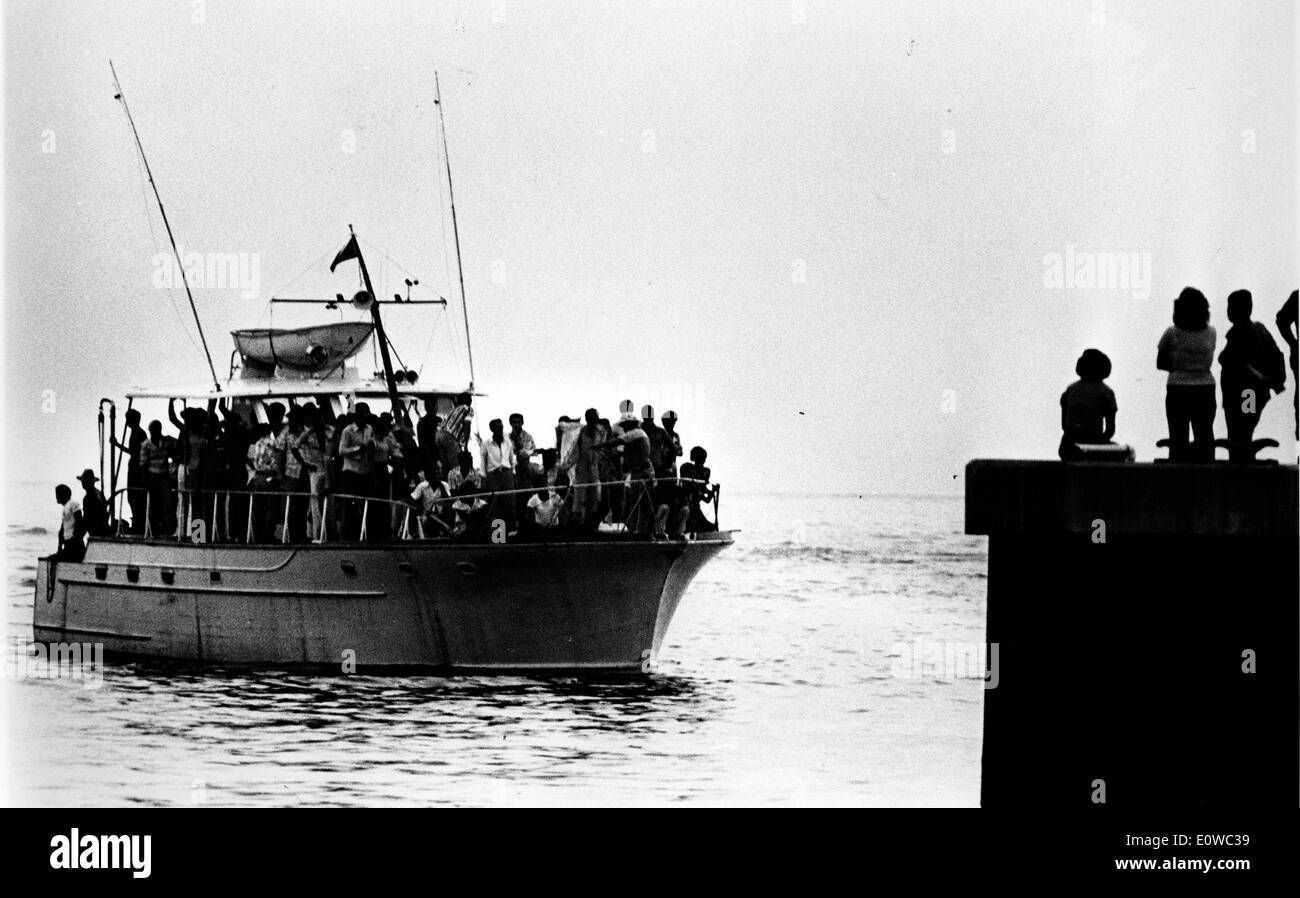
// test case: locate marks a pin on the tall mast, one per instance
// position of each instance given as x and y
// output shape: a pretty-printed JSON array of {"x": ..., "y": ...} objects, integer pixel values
[
  {"x": 451, "y": 195},
  {"x": 163, "y": 212},
  {"x": 398, "y": 413}
]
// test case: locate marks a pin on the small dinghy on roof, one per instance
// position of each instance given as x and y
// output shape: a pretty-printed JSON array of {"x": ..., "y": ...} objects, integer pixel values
[{"x": 318, "y": 348}]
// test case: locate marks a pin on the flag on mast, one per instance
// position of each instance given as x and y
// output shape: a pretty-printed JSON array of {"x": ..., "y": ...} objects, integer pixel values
[{"x": 351, "y": 251}]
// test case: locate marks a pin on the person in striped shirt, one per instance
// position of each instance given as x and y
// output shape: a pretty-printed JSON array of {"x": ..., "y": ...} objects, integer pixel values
[{"x": 458, "y": 420}]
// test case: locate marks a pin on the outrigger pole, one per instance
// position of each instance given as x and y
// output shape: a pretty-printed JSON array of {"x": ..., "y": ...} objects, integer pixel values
[
  {"x": 179, "y": 263},
  {"x": 451, "y": 195}
]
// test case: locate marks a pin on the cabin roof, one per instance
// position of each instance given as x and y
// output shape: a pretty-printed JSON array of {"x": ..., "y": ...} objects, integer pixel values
[{"x": 274, "y": 387}]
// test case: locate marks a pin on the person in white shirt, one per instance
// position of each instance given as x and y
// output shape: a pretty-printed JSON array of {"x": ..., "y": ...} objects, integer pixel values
[
  {"x": 72, "y": 526},
  {"x": 430, "y": 499},
  {"x": 1186, "y": 351},
  {"x": 545, "y": 506},
  {"x": 469, "y": 511},
  {"x": 499, "y": 473},
  {"x": 525, "y": 448}
]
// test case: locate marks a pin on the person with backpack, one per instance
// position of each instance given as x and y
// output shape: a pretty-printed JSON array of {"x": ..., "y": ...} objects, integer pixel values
[{"x": 1251, "y": 366}]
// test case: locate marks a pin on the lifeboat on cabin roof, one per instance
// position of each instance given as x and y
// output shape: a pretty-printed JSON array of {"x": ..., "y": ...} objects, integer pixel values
[{"x": 315, "y": 349}]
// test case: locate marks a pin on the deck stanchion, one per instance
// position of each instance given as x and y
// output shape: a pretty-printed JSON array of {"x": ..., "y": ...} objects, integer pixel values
[
  {"x": 148, "y": 503},
  {"x": 324, "y": 519},
  {"x": 248, "y": 536},
  {"x": 365, "y": 515},
  {"x": 284, "y": 529}
]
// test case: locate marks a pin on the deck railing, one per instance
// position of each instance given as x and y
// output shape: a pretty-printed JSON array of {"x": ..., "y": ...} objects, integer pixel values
[{"x": 224, "y": 513}]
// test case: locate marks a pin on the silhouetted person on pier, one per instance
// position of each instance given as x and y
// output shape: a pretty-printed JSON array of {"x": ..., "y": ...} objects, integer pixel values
[
  {"x": 1251, "y": 366},
  {"x": 72, "y": 526},
  {"x": 135, "y": 437},
  {"x": 1288, "y": 323},
  {"x": 1186, "y": 351},
  {"x": 1087, "y": 405}
]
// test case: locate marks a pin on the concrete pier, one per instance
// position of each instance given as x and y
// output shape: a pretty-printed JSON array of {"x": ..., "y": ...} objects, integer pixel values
[{"x": 1147, "y": 618}]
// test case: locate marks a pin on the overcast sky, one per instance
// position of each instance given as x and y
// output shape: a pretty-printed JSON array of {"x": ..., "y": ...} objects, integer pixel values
[{"x": 821, "y": 232}]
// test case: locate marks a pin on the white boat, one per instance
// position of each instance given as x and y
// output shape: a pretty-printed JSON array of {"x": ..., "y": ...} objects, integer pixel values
[{"x": 218, "y": 592}]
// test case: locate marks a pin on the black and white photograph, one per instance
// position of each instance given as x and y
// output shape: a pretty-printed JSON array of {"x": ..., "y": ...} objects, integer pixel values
[{"x": 576, "y": 404}]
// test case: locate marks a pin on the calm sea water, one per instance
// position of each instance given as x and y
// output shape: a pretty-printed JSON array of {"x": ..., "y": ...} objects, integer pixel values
[{"x": 779, "y": 684}]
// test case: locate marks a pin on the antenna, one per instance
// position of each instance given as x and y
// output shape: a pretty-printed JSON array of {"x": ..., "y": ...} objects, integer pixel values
[
  {"x": 179, "y": 263},
  {"x": 451, "y": 196}
]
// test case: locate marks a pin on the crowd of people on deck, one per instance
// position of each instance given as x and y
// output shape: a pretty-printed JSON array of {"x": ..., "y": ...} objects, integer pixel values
[
  {"x": 1251, "y": 367},
  {"x": 305, "y": 475}
]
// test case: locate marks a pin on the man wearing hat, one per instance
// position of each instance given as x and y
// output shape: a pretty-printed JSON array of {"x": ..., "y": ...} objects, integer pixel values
[{"x": 94, "y": 508}]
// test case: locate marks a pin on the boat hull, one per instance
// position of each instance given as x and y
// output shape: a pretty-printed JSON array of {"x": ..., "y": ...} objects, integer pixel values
[{"x": 522, "y": 606}]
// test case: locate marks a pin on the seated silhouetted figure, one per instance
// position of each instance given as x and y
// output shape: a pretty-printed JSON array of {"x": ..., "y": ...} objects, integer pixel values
[
  {"x": 1087, "y": 406},
  {"x": 1251, "y": 366},
  {"x": 697, "y": 489}
]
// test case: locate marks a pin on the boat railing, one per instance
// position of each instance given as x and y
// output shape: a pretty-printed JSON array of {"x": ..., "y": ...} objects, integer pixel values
[{"x": 234, "y": 516}]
